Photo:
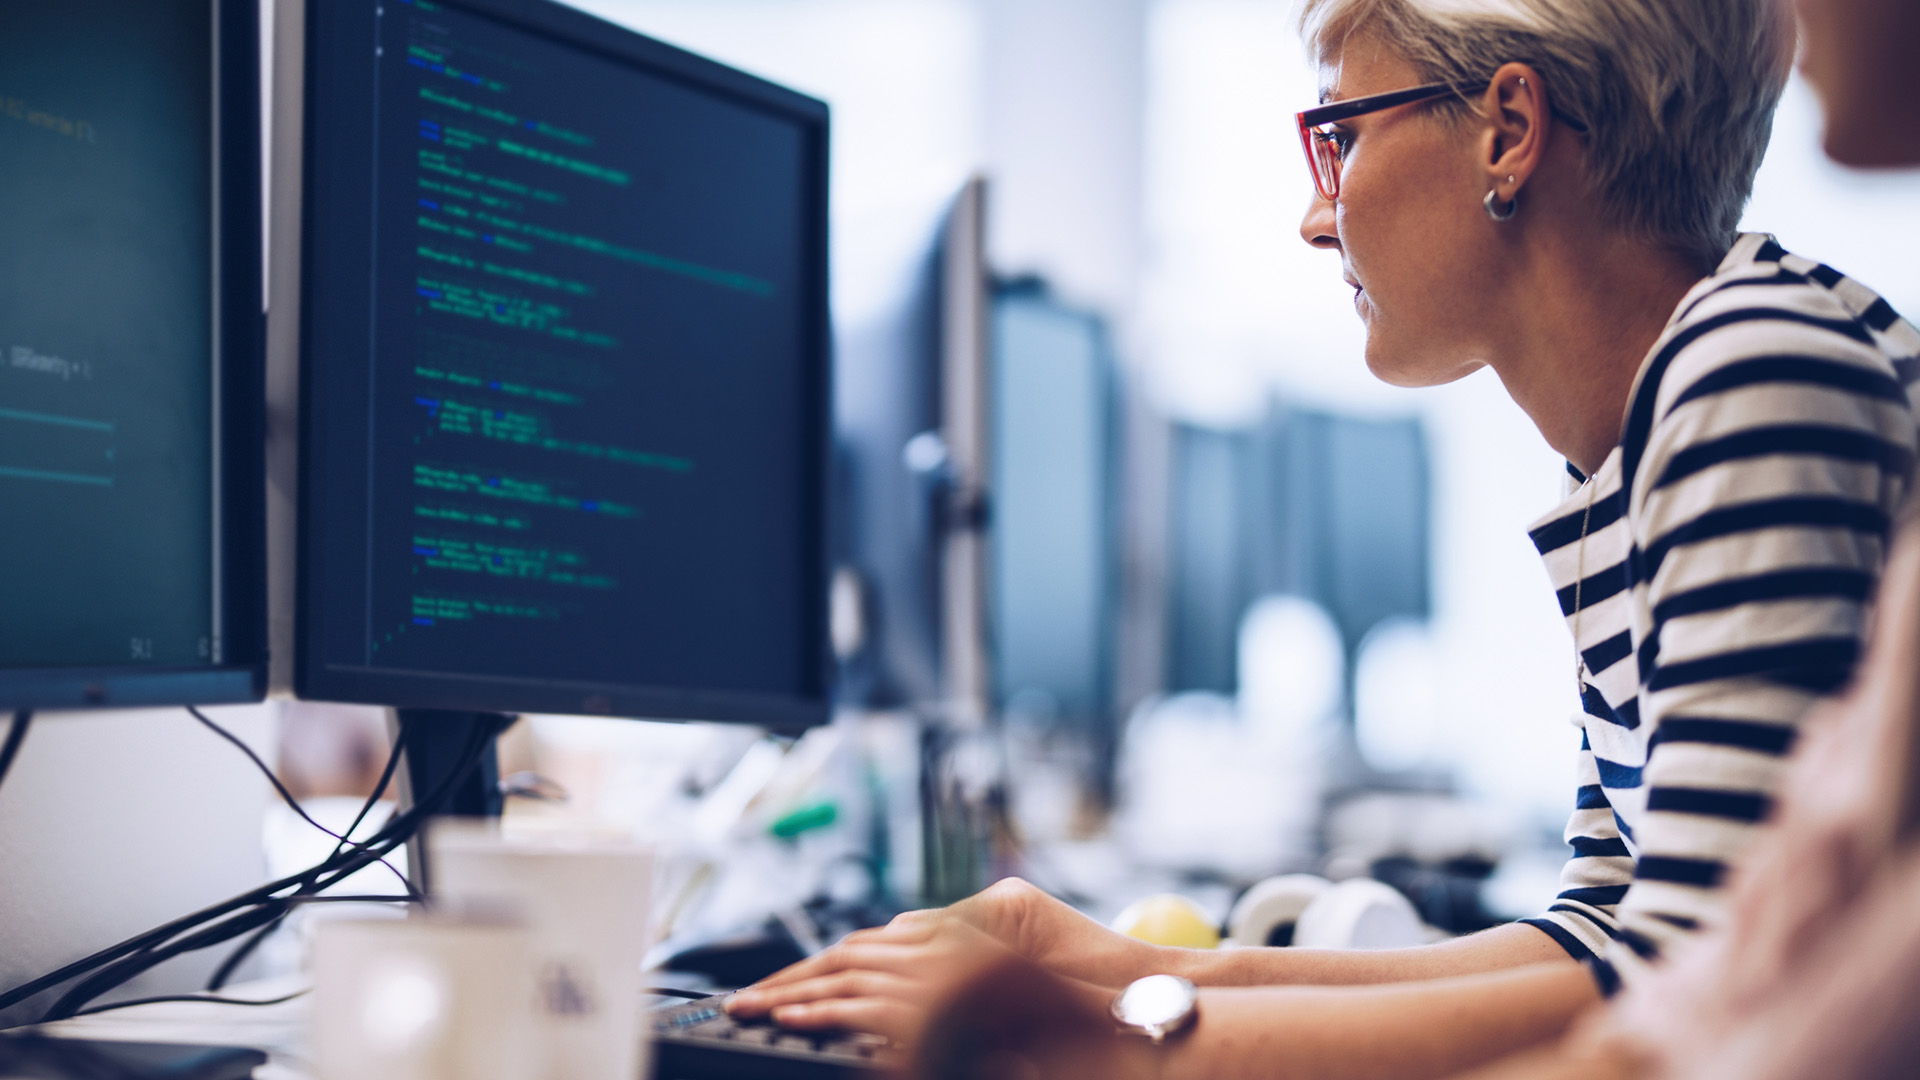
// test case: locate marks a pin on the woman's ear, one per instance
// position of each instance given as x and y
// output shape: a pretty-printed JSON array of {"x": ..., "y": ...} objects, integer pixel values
[{"x": 1513, "y": 143}]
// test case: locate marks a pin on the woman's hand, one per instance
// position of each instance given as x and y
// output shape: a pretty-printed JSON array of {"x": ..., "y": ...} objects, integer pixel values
[
  {"x": 883, "y": 980},
  {"x": 1055, "y": 936}
]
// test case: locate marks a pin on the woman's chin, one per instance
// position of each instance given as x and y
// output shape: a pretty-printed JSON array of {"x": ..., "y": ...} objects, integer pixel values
[{"x": 1412, "y": 368}]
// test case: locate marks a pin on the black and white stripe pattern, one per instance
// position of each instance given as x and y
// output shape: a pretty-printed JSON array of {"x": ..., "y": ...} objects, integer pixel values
[{"x": 1732, "y": 542}]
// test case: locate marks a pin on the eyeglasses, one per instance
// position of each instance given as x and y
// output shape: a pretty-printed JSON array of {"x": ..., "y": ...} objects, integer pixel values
[{"x": 1327, "y": 148}]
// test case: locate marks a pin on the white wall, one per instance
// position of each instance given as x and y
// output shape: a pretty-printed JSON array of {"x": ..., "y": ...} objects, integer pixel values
[
  {"x": 113, "y": 823},
  {"x": 1063, "y": 83}
]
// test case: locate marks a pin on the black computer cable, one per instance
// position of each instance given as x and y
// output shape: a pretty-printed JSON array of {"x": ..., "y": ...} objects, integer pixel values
[
  {"x": 294, "y": 804},
  {"x": 321, "y": 876},
  {"x": 265, "y": 770},
  {"x": 229, "y": 925},
  {"x": 113, "y": 975},
  {"x": 224, "y": 972},
  {"x": 231, "y": 964},
  {"x": 16, "y": 734},
  {"x": 210, "y": 999},
  {"x": 386, "y": 777},
  {"x": 246, "y": 912},
  {"x": 138, "y": 953}
]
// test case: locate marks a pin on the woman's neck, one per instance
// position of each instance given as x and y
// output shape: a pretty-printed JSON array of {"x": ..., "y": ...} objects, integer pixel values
[{"x": 1588, "y": 312}]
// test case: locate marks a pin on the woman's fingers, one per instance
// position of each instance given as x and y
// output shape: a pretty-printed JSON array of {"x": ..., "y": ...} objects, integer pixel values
[
  {"x": 879, "y": 956},
  {"x": 758, "y": 1001},
  {"x": 812, "y": 967},
  {"x": 898, "y": 1020},
  {"x": 894, "y": 935}
]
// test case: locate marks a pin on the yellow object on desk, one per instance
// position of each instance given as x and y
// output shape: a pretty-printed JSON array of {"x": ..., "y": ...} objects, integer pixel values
[{"x": 1168, "y": 919}]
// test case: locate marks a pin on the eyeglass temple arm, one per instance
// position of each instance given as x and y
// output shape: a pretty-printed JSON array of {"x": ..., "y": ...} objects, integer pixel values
[{"x": 1344, "y": 110}]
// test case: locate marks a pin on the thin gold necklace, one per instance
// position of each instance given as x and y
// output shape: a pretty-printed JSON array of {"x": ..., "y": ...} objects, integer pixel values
[{"x": 1579, "y": 579}]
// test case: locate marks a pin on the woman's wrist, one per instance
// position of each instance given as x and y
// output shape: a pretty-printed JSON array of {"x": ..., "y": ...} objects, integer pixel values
[
  {"x": 1194, "y": 965},
  {"x": 1142, "y": 959}
]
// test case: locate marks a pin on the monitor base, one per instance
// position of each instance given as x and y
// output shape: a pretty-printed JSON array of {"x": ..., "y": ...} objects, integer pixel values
[{"x": 437, "y": 742}]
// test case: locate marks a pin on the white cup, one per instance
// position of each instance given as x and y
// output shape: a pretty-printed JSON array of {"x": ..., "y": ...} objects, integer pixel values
[
  {"x": 585, "y": 905},
  {"x": 422, "y": 999}
]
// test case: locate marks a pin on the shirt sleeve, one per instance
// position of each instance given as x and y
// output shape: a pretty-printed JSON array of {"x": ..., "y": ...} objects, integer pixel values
[
  {"x": 1584, "y": 918},
  {"x": 1760, "y": 512}
]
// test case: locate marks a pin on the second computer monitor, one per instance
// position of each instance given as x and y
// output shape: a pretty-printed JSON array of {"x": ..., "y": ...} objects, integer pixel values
[
  {"x": 564, "y": 393},
  {"x": 131, "y": 566}
]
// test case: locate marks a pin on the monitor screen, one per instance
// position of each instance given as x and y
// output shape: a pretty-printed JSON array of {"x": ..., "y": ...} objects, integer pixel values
[
  {"x": 1055, "y": 552},
  {"x": 564, "y": 372},
  {"x": 123, "y": 329}
]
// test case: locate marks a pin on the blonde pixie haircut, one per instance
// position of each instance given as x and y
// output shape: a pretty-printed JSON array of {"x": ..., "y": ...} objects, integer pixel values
[{"x": 1678, "y": 94}]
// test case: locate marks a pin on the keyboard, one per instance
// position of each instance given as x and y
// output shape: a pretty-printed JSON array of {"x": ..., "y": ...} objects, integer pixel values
[{"x": 699, "y": 1040}]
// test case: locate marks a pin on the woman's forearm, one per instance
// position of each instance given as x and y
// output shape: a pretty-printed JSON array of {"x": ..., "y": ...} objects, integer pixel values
[
  {"x": 1499, "y": 949},
  {"x": 1408, "y": 1032}
]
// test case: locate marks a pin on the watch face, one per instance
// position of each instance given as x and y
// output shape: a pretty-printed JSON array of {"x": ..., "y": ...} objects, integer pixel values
[{"x": 1156, "y": 1003}]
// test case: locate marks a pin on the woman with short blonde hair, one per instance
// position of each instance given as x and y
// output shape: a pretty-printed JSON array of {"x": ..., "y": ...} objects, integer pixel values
[
  {"x": 1675, "y": 97},
  {"x": 1551, "y": 189}
]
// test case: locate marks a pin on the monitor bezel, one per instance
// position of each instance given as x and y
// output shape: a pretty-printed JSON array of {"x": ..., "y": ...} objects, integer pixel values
[
  {"x": 313, "y": 679},
  {"x": 239, "y": 672}
]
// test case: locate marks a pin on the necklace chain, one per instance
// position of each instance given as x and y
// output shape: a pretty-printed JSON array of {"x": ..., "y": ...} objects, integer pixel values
[{"x": 1579, "y": 579}]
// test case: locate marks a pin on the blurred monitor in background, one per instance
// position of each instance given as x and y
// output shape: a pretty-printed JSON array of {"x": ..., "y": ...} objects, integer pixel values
[
  {"x": 909, "y": 409},
  {"x": 1209, "y": 579},
  {"x": 886, "y": 517},
  {"x": 1332, "y": 508},
  {"x": 1054, "y": 536}
]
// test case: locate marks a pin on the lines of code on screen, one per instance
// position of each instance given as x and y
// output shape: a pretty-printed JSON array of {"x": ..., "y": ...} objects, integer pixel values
[
  {"x": 586, "y": 394},
  {"x": 106, "y": 445}
]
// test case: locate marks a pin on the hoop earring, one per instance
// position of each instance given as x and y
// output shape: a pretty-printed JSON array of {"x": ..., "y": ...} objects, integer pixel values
[{"x": 1496, "y": 215}]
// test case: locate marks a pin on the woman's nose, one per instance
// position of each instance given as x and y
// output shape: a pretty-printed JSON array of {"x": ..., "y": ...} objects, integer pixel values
[{"x": 1318, "y": 227}]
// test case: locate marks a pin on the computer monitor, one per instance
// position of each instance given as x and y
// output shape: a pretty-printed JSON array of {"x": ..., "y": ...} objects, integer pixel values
[
  {"x": 910, "y": 402},
  {"x": 132, "y": 567},
  {"x": 1055, "y": 537},
  {"x": 1346, "y": 517},
  {"x": 1309, "y": 503},
  {"x": 1210, "y": 576},
  {"x": 563, "y": 386}
]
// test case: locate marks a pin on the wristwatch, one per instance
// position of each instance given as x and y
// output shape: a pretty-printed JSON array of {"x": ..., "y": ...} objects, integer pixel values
[{"x": 1156, "y": 1006}]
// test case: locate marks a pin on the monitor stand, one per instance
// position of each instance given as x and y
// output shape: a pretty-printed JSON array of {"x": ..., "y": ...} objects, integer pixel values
[{"x": 436, "y": 739}]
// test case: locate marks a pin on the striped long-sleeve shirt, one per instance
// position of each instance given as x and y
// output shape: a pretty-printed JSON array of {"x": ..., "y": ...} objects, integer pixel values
[{"x": 1715, "y": 571}]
